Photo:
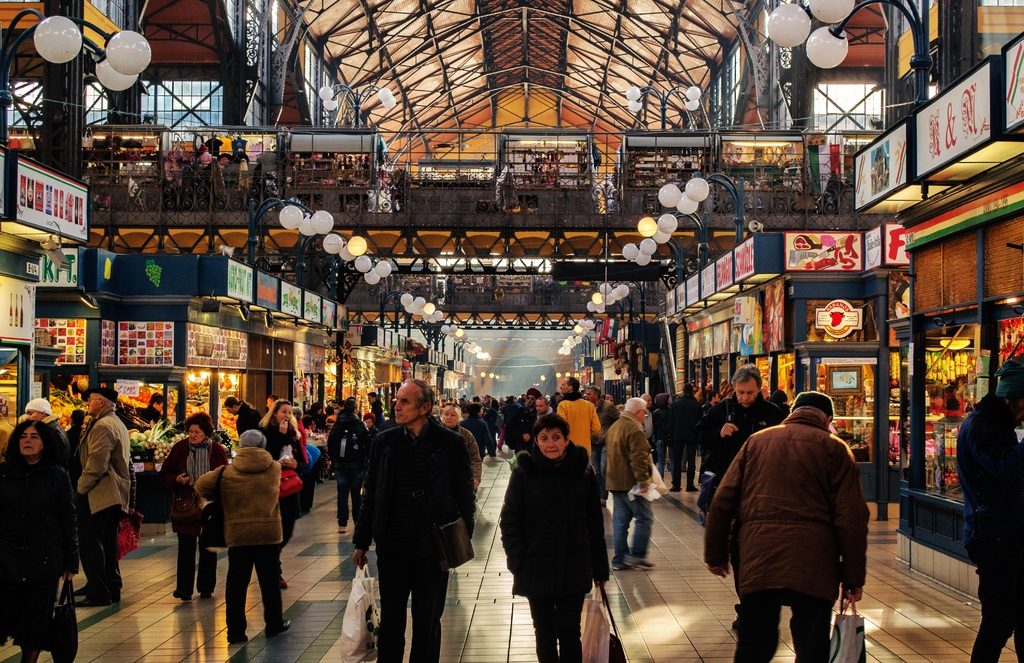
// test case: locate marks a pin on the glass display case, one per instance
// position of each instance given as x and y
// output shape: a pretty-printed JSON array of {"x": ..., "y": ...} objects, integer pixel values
[
  {"x": 197, "y": 392},
  {"x": 951, "y": 370},
  {"x": 785, "y": 374},
  {"x": 852, "y": 389}
]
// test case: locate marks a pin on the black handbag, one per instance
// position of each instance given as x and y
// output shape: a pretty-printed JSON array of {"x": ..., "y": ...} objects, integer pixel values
[
  {"x": 64, "y": 627},
  {"x": 212, "y": 535},
  {"x": 616, "y": 653},
  {"x": 454, "y": 547}
]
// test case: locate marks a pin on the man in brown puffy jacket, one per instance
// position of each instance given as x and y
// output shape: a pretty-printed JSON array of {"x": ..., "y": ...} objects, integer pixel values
[{"x": 803, "y": 529}]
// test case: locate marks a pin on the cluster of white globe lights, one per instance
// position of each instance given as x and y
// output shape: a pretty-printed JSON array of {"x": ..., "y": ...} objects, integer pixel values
[
  {"x": 580, "y": 329},
  {"x": 655, "y": 233},
  {"x": 790, "y": 24},
  {"x": 634, "y": 93},
  {"x": 58, "y": 39},
  {"x": 327, "y": 95},
  {"x": 322, "y": 223}
]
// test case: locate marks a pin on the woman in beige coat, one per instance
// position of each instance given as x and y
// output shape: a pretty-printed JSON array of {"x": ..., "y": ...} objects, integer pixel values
[{"x": 252, "y": 529}]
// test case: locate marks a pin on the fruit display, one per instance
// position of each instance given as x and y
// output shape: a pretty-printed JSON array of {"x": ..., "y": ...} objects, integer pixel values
[
  {"x": 63, "y": 403},
  {"x": 159, "y": 439}
]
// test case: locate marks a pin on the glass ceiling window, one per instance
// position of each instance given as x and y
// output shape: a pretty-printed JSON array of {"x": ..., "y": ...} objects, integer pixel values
[
  {"x": 847, "y": 107},
  {"x": 97, "y": 105},
  {"x": 185, "y": 103},
  {"x": 28, "y": 96}
]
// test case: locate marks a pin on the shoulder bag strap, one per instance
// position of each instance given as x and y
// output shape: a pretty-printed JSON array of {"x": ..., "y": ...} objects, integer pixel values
[{"x": 608, "y": 608}]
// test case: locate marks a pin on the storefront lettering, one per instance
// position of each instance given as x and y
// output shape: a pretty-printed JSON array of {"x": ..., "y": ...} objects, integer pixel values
[
  {"x": 53, "y": 275},
  {"x": 950, "y": 125},
  {"x": 743, "y": 257}
]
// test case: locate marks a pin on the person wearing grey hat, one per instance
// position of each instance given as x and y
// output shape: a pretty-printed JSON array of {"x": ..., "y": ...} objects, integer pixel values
[
  {"x": 990, "y": 465},
  {"x": 792, "y": 498}
]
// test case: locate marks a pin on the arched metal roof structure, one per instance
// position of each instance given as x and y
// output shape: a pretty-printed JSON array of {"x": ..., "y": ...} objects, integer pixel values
[{"x": 450, "y": 62}]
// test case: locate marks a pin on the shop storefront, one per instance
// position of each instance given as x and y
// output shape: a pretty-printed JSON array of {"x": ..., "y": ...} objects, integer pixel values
[
  {"x": 964, "y": 239},
  {"x": 170, "y": 346},
  {"x": 763, "y": 305}
]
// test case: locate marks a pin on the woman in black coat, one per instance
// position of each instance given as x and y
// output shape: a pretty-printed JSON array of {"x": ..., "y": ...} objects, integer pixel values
[
  {"x": 552, "y": 529},
  {"x": 38, "y": 536},
  {"x": 284, "y": 443}
]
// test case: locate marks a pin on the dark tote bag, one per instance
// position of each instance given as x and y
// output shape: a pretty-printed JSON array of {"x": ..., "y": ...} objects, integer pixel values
[
  {"x": 64, "y": 627},
  {"x": 616, "y": 654},
  {"x": 212, "y": 536}
]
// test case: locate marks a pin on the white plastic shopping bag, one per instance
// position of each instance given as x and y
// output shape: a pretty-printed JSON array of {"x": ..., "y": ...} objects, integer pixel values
[
  {"x": 361, "y": 621},
  {"x": 596, "y": 632},
  {"x": 657, "y": 481},
  {"x": 848, "y": 636}
]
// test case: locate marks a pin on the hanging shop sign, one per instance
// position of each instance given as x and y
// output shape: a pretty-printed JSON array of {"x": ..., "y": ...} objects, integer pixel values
[
  {"x": 145, "y": 343},
  {"x": 128, "y": 388},
  {"x": 707, "y": 281},
  {"x": 723, "y": 272},
  {"x": 46, "y": 200},
  {"x": 312, "y": 306},
  {"x": 774, "y": 321},
  {"x": 895, "y": 241},
  {"x": 267, "y": 291},
  {"x": 154, "y": 274},
  {"x": 670, "y": 301},
  {"x": 212, "y": 347},
  {"x": 51, "y": 275},
  {"x": 68, "y": 334},
  {"x": 1013, "y": 88},
  {"x": 899, "y": 295},
  {"x": 693, "y": 290},
  {"x": 108, "y": 343},
  {"x": 309, "y": 359},
  {"x": 998, "y": 204},
  {"x": 17, "y": 310},
  {"x": 720, "y": 339},
  {"x": 748, "y": 332},
  {"x": 291, "y": 299},
  {"x": 960, "y": 133},
  {"x": 329, "y": 313},
  {"x": 824, "y": 252},
  {"x": 681, "y": 295},
  {"x": 743, "y": 259},
  {"x": 839, "y": 318},
  {"x": 882, "y": 171},
  {"x": 240, "y": 281},
  {"x": 873, "y": 248}
]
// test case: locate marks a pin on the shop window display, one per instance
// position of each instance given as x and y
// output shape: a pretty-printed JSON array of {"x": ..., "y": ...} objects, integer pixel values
[
  {"x": 785, "y": 374},
  {"x": 197, "y": 392},
  {"x": 851, "y": 386},
  {"x": 9, "y": 406},
  {"x": 951, "y": 368}
]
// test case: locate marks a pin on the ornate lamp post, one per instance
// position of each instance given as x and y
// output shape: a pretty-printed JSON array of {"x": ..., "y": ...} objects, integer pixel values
[
  {"x": 637, "y": 96},
  {"x": 59, "y": 39},
  {"x": 355, "y": 99},
  {"x": 790, "y": 24}
]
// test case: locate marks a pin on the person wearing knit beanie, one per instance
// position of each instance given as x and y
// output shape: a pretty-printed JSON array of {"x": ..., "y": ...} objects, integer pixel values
[{"x": 815, "y": 399}]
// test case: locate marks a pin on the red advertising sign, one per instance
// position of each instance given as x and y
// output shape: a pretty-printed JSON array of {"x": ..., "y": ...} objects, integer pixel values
[
  {"x": 743, "y": 258},
  {"x": 723, "y": 271},
  {"x": 895, "y": 245}
]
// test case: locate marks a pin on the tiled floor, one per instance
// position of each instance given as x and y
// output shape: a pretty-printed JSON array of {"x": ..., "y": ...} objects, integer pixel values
[{"x": 675, "y": 612}]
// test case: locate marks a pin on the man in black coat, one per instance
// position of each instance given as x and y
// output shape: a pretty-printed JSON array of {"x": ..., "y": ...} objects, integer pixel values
[
  {"x": 724, "y": 429},
  {"x": 248, "y": 417},
  {"x": 510, "y": 412},
  {"x": 418, "y": 479},
  {"x": 685, "y": 413},
  {"x": 349, "y": 449},
  {"x": 727, "y": 425}
]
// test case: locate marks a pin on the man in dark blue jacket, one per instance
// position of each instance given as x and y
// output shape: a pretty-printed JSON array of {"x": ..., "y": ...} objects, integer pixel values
[
  {"x": 476, "y": 425},
  {"x": 685, "y": 415},
  {"x": 990, "y": 464}
]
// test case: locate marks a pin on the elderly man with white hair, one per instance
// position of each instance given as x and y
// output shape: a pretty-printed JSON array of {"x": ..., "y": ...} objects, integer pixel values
[{"x": 629, "y": 464}]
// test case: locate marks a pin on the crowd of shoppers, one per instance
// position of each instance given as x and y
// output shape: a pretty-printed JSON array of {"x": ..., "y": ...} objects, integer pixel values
[{"x": 780, "y": 484}]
